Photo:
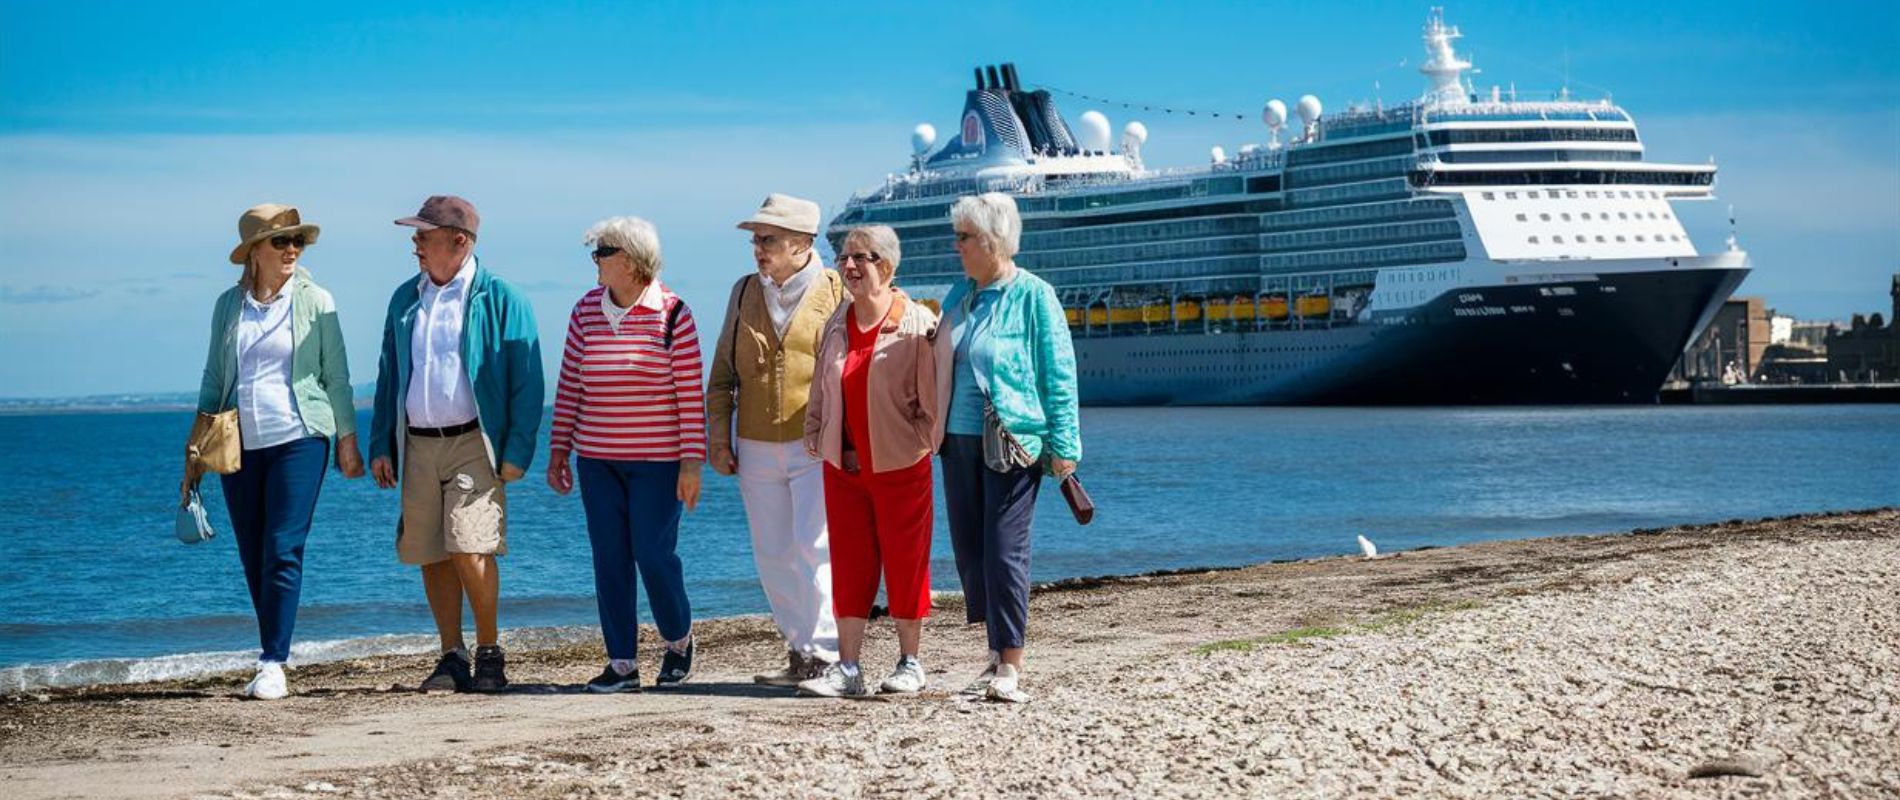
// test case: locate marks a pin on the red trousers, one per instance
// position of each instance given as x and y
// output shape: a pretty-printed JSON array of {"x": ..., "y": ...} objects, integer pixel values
[{"x": 880, "y": 520}]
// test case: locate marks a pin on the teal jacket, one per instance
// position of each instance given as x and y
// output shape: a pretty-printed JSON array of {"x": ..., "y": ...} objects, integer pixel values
[
  {"x": 501, "y": 351},
  {"x": 1031, "y": 379},
  {"x": 319, "y": 368}
]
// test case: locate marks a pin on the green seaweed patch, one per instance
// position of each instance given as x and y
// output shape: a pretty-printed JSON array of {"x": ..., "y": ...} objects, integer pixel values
[{"x": 1378, "y": 623}]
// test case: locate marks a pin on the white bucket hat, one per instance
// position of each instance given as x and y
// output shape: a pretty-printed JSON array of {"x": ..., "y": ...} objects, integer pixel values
[{"x": 785, "y": 211}]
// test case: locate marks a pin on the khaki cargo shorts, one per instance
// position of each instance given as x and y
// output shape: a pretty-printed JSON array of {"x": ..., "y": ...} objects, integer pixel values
[{"x": 452, "y": 500}]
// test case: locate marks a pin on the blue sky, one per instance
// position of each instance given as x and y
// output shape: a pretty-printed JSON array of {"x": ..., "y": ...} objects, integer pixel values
[{"x": 133, "y": 134}]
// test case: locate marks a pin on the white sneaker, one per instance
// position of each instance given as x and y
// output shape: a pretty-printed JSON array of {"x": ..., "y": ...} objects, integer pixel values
[
  {"x": 835, "y": 682},
  {"x": 907, "y": 678},
  {"x": 269, "y": 683},
  {"x": 981, "y": 686},
  {"x": 1005, "y": 686}
]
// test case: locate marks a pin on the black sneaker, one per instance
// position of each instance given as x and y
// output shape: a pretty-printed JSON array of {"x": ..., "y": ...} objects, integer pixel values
[
  {"x": 450, "y": 675},
  {"x": 675, "y": 668},
  {"x": 611, "y": 682},
  {"x": 491, "y": 669}
]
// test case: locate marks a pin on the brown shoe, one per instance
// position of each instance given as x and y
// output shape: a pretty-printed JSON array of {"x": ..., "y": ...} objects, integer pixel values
[{"x": 795, "y": 671}]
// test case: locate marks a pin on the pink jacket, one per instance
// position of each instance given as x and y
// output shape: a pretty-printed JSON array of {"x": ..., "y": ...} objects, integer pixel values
[{"x": 902, "y": 389}]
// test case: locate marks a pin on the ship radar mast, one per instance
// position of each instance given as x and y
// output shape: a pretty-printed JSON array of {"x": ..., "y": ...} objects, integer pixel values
[{"x": 1443, "y": 67}]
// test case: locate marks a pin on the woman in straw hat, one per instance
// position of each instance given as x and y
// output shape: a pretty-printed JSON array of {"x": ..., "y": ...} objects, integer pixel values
[{"x": 277, "y": 356}]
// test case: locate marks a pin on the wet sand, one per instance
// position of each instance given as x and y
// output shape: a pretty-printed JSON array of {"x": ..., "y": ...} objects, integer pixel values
[{"x": 1745, "y": 659}]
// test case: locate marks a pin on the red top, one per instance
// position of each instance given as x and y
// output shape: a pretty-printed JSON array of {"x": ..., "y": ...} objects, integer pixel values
[
  {"x": 622, "y": 396},
  {"x": 857, "y": 387}
]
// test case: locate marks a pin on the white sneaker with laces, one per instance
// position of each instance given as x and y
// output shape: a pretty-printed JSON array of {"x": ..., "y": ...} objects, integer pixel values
[
  {"x": 907, "y": 678},
  {"x": 835, "y": 682},
  {"x": 1005, "y": 686},
  {"x": 980, "y": 687},
  {"x": 269, "y": 683}
]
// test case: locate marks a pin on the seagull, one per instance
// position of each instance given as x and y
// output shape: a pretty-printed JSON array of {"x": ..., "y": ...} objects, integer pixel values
[{"x": 1366, "y": 546}]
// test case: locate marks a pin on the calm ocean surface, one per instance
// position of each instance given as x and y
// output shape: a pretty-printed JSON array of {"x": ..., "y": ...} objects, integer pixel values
[{"x": 90, "y": 572}]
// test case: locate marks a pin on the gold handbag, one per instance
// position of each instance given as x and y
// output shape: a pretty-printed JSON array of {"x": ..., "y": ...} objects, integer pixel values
[{"x": 213, "y": 445}]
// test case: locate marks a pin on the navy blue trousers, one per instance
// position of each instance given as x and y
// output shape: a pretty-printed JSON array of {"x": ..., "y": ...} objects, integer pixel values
[
  {"x": 271, "y": 500},
  {"x": 990, "y": 514},
  {"x": 633, "y": 522}
]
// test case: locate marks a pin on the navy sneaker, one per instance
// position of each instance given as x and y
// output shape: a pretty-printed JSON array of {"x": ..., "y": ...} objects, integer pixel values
[
  {"x": 675, "y": 668},
  {"x": 612, "y": 682},
  {"x": 451, "y": 674},
  {"x": 491, "y": 669}
]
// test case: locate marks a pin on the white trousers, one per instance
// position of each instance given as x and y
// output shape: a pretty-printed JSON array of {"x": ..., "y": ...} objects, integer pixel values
[{"x": 784, "y": 493}]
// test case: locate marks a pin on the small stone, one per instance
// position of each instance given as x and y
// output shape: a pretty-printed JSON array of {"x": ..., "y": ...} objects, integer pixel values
[{"x": 1727, "y": 767}]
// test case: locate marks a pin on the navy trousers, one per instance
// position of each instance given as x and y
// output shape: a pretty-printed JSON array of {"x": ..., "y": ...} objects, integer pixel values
[
  {"x": 990, "y": 514},
  {"x": 271, "y": 500},
  {"x": 633, "y": 522}
]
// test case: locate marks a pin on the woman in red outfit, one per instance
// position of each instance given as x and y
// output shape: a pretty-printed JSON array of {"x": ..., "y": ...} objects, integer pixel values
[{"x": 872, "y": 418}]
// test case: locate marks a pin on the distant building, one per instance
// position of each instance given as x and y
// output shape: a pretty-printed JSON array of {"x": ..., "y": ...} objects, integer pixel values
[
  {"x": 1730, "y": 350},
  {"x": 1869, "y": 350}
]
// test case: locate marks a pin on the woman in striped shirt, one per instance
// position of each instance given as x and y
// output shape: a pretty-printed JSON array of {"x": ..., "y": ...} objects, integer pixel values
[{"x": 630, "y": 406}]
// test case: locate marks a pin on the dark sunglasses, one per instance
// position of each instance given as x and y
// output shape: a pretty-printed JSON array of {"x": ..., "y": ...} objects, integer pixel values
[
  {"x": 605, "y": 251},
  {"x": 284, "y": 242},
  {"x": 868, "y": 258}
]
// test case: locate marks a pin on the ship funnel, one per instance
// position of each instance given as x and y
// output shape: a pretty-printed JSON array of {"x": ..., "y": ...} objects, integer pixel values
[
  {"x": 1009, "y": 78},
  {"x": 995, "y": 82},
  {"x": 979, "y": 79}
]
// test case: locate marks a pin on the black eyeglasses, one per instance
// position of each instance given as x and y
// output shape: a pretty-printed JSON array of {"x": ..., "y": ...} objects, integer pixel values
[
  {"x": 868, "y": 258},
  {"x": 284, "y": 242},
  {"x": 606, "y": 251},
  {"x": 964, "y": 236}
]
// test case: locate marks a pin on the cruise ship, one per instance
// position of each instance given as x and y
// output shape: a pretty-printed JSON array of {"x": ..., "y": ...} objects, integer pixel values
[{"x": 1466, "y": 247}]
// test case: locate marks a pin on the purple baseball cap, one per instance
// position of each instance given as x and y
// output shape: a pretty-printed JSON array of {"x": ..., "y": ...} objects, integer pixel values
[{"x": 445, "y": 211}]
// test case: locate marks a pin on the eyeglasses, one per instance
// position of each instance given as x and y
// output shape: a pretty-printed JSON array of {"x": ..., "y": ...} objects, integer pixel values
[
  {"x": 767, "y": 240},
  {"x": 964, "y": 236},
  {"x": 606, "y": 251},
  {"x": 284, "y": 242},
  {"x": 867, "y": 258}
]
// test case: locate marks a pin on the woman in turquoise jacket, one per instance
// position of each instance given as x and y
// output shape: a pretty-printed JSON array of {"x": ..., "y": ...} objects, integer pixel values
[
  {"x": 1003, "y": 348},
  {"x": 277, "y": 356}
]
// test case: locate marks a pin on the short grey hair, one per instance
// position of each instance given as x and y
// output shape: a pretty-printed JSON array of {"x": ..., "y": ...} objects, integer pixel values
[
  {"x": 879, "y": 239},
  {"x": 636, "y": 236},
  {"x": 993, "y": 215}
]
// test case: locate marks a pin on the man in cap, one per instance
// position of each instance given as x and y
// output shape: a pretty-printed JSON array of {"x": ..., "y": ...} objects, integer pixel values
[
  {"x": 755, "y": 407},
  {"x": 458, "y": 401}
]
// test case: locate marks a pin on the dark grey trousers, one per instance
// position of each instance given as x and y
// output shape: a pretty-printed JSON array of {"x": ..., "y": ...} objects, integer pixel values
[{"x": 990, "y": 516}]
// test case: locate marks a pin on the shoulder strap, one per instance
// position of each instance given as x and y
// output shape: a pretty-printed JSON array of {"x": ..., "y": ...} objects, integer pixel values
[
  {"x": 672, "y": 321},
  {"x": 732, "y": 339}
]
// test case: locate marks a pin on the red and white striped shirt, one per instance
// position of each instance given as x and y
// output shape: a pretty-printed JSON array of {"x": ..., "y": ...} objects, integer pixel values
[{"x": 622, "y": 396}]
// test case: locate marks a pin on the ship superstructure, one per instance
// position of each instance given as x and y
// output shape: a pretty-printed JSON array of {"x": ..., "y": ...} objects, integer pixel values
[{"x": 1463, "y": 247}]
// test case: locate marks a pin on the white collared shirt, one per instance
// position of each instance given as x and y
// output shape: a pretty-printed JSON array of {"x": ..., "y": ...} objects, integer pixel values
[
  {"x": 440, "y": 395},
  {"x": 781, "y": 302},
  {"x": 267, "y": 410},
  {"x": 649, "y": 298}
]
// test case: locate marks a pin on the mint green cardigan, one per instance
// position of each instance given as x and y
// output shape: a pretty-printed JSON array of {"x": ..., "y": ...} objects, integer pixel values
[{"x": 319, "y": 367}]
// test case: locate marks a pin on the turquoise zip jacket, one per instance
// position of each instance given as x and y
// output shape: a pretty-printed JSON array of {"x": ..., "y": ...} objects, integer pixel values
[
  {"x": 1031, "y": 379},
  {"x": 501, "y": 351},
  {"x": 319, "y": 367}
]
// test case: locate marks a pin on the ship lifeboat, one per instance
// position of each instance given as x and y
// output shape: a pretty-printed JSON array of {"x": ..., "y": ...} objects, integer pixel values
[
  {"x": 1315, "y": 305},
  {"x": 1273, "y": 308},
  {"x": 1154, "y": 313},
  {"x": 1186, "y": 311},
  {"x": 1074, "y": 316}
]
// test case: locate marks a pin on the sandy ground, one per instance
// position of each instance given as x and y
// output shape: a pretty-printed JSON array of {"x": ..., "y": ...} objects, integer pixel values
[{"x": 1756, "y": 659}]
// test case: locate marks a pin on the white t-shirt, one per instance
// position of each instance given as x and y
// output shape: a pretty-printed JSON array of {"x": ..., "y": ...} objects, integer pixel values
[
  {"x": 439, "y": 392},
  {"x": 782, "y": 301},
  {"x": 267, "y": 411}
]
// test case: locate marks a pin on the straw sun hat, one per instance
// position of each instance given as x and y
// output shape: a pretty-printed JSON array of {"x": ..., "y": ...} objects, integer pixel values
[{"x": 263, "y": 222}]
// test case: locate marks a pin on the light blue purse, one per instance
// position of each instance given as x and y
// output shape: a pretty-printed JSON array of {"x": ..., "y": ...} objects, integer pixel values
[{"x": 193, "y": 525}]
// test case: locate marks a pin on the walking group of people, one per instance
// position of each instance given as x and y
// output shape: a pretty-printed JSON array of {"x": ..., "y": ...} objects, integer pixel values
[{"x": 829, "y": 390}]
